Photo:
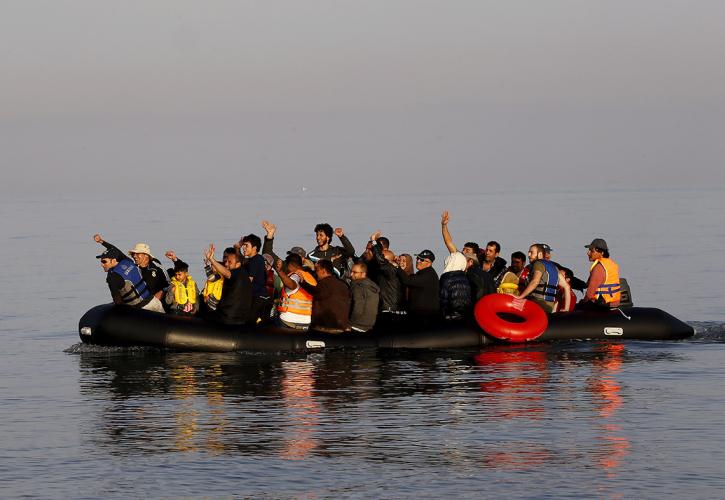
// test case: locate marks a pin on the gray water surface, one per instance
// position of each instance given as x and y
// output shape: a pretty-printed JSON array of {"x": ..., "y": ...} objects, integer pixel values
[{"x": 574, "y": 419}]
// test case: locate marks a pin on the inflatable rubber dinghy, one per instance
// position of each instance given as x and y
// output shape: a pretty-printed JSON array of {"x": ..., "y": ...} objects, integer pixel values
[{"x": 112, "y": 325}]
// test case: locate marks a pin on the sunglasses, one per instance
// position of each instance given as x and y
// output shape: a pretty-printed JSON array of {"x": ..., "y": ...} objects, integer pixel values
[
  {"x": 419, "y": 259},
  {"x": 105, "y": 261}
]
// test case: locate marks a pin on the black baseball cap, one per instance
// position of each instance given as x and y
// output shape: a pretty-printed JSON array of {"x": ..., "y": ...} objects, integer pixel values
[
  {"x": 426, "y": 254},
  {"x": 111, "y": 253},
  {"x": 597, "y": 243}
]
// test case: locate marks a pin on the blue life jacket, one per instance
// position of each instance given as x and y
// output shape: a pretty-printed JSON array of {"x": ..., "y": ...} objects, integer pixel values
[
  {"x": 134, "y": 291},
  {"x": 547, "y": 290}
]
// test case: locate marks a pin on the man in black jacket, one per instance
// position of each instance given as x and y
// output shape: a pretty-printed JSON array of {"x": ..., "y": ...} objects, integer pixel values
[
  {"x": 423, "y": 302},
  {"x": 392, "y": 290}
]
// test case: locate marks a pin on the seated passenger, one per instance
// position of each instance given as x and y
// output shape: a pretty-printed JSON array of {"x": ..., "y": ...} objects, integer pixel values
[
  {"x": 236, "y": 297},
  {"x": 480, "y": 283},
  {"x": 511, "y": 278},
  {"x": 560, "y": 299},
  {"x": 212, "y": 292},
  {"x": 455, "y": 289},
  {"x": 493, "y": 263},
  {"x": 295, "y": 304},
  {"x": 423, "y": 289},
  {"x": 392, "y": 291},
  {"x": 124, "y": 279},
  {"x": 337, "y": 255},
  {"x": 330, "y": 300},
  {"x": 365, "y": 296},
  {"x": 182, "y": 294},
  {"x": 603, "y": 288},
  {"x": 153, "y": 275},
  {"x": 544, "y": 281}
]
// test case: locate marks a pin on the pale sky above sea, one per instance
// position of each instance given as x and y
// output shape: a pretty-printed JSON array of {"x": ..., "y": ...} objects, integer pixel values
[{"x": 375, "y": 96}]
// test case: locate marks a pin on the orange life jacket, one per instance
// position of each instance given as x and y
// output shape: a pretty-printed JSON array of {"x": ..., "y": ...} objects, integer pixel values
[
  {"x": 610, "y": 290},
  {"x": 299, "y": 302}
]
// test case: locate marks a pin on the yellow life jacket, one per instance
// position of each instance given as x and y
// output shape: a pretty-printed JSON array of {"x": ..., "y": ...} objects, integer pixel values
[
  {"x": 213, "y": 289},
  {"x": 610, "y": 291},
  {"x": 184, "y": 293},
  {"x": 300, "y": 302}
]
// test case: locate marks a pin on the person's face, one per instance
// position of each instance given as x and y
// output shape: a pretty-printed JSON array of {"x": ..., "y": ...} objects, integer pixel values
[
  {"x": 247, "y": 249},
  {"x": 421, "y": 264},
  {"x": 320, "y": 272},
  {"x": 491, "y": 253},
  {"x": 108, "y": 264},
  {"x": 468, "y": 250},
  {"x": 357, "y": 273},
  {"x": 230, "y": 260},
  {"x": 534, "y": 255},
  {"x": 322, "y": 238},
  {"x": 517, "y": 265},
  {"x": 141, "y": 259},
  {"x": 181, "y": 276},
  {"x": 594, "y": 254}
]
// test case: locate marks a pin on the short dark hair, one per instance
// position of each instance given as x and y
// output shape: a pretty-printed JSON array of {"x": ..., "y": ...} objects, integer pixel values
[
  {"x": 293, "y": 258},
  {"x": 518, "y": 255},
  {"x": 326, "y": 264},
  {"x": 253, "y": 240},
  {"x": 181, "y": 266},
  {"x": 383, "y": 242},
  {"x": 230, "y": 250},
  {"x": 474, "y": 246},
  {"x": 494, "y": 244},
  {"x": 325, "y": 228},
  {"x": 539, "y": 247}
]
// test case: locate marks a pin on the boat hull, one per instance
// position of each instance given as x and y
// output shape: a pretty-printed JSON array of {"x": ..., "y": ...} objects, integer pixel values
[{"x": 112, "y": 325}]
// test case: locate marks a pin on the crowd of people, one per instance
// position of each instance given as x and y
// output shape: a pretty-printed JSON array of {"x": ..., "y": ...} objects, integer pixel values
[{"x": 332, "y": 289}]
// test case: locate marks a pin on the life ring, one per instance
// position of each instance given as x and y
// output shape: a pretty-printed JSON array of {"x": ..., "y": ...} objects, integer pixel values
[{"x": 487, "y": 312}]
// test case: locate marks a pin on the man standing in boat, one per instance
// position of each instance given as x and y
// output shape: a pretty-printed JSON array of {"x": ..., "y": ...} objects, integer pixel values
[
  {"x": 603, "y": 287},
  {"x": 236, "y": 298},
  {"x": 124, "y": 279}
]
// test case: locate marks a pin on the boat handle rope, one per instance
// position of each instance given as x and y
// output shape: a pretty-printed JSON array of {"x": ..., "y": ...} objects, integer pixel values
[{"x": 628, "y": 317}]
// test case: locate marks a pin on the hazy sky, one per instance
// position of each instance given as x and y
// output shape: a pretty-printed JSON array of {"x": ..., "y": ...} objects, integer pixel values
[{"x": 394, "y": 95}]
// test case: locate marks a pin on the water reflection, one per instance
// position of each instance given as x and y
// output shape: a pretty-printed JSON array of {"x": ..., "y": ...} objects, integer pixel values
[{"x": 507, "y": 407}]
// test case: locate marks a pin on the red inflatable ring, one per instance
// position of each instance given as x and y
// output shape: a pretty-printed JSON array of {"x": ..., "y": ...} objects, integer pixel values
[{"x": 487, "y": 312}]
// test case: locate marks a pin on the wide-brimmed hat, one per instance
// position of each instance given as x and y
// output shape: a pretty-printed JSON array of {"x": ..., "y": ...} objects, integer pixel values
[{"x": 142, "y": 248}]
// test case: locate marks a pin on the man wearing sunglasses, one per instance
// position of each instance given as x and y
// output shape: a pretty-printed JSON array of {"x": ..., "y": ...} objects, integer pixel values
[
  {"x": 124, "y": 279},
  {"x": 423, "y": 301}
]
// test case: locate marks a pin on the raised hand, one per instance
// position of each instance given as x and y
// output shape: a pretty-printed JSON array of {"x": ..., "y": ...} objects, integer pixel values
[
  {"x": 278, "y": 265},
  {"x": 209, "y": 253},
  {"x": 375, "y": 235},
  {"x": 269, "y": 228},
  {"x": 171, "y": 255},
  {"x": 97, "y": 238},
  {"x": 339, "y": 232},
  {"x": 444, "y": 218}
]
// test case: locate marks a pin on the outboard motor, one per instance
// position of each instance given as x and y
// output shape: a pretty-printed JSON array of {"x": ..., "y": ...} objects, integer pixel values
[{"x": 626, "y": 299}]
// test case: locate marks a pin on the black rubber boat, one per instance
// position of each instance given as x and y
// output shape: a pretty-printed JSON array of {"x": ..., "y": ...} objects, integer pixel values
[{"x": 111, "y": 325}]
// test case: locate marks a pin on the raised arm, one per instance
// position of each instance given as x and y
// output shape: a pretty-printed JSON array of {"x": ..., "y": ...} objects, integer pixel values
[
  {"x": 97, "y": 238},
  {"x": 267, "y": 247},
  {"x": 288, "y": 282},
  {"x": 446, "y": 234},
  {"x": 218, "y": 268},
  {"x": 346, "y": 245}
]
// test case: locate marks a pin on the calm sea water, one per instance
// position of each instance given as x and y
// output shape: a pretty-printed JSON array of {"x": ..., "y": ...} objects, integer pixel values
[{"x": 577, "y": 419}]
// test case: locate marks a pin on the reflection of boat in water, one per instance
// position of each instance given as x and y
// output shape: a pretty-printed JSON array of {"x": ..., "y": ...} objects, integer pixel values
[{"x": 124, "y": 326}]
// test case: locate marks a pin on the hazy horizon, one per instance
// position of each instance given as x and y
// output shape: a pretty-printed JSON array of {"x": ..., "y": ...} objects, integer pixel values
[{"x": 405, "y": 96}]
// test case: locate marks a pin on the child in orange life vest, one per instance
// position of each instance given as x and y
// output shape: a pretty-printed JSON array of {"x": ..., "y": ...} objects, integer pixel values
[{"x": 182, "y": 296}]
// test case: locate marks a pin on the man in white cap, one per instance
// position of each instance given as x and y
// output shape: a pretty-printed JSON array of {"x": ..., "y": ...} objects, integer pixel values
[{"x": 153, "y": 275}]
